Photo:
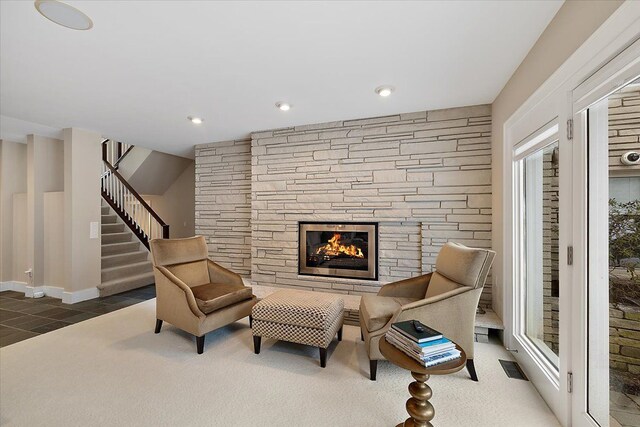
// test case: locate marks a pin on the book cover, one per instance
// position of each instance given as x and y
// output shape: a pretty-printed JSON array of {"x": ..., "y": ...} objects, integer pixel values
[
  {"x": 424, "y": 348},
  {"x": 407, "y": 329}
]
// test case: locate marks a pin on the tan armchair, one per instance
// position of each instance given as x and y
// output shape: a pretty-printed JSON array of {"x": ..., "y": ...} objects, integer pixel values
[
  {"x": 445, "y": 300},
  {"x": 194, "y": 293}
]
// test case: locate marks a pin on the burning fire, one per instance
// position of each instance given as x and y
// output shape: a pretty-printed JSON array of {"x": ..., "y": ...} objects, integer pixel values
[{"x": 334, "y": 248}]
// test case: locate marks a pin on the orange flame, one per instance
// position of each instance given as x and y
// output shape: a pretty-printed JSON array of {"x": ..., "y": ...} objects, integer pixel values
[{"x": 335, "y": 248}]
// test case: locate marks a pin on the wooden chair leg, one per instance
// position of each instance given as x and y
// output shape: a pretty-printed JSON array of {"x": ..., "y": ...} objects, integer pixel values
[
  {"x": 373, "y": 369},
  {"x": 472, "y": 370},
  {"x": 200, "y": 344},
  {"x": 361, "y": 335},
  {"x": 323, "y": 357},
  {"x": 158, "y": 325},
  {"x": 256, "y": 344},
  {"x": 340, "y": 333},
  {"x": 250, "y": 321}
]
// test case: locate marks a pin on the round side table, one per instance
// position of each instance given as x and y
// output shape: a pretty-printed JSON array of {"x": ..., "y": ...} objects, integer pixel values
[{"x": 421, "y": 411}]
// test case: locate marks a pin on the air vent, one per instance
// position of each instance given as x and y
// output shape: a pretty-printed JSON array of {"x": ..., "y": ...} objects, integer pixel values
[{"x": 512, "y": 369}]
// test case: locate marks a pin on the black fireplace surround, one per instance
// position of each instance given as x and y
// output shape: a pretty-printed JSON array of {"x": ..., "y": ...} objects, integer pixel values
[{"x": 338, "y": 249}]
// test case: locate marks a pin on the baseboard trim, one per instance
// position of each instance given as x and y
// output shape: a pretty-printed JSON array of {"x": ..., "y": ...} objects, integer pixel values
[
  {"x": 12, "y": 286},
  {"x": 79, "y": 296},
  {"x": 51, "y": 291}
]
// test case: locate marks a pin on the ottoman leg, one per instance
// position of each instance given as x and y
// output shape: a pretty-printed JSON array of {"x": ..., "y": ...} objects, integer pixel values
[
  {"x": 323, "y": 357},
  {"x": 256, "y": 344},
  {"x": 340, "y": 333}
]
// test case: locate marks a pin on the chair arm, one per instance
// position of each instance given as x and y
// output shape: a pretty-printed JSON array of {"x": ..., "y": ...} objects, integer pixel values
[
  {"x": 167, "y": 278},
  {"x": 219, "y": 274},
  {"x": 415, "y": 287}
]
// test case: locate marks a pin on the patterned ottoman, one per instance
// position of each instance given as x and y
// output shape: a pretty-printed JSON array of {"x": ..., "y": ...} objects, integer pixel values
[{"x": 310, "y": 318}]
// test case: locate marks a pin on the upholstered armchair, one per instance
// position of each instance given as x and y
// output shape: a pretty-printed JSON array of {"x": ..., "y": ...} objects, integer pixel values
[
  {"x": 445, "y": 300},
  {"x": 194, "y": 293}
]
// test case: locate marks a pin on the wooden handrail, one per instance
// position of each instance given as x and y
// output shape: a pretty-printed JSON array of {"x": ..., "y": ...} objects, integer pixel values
[
  {"x": 121, "y": 157},
  {"x": 137, "y": 196}
]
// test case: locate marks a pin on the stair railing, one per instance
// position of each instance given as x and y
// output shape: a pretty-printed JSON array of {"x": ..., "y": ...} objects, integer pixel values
[
  {"x": 145, "y": 223},
  {"x": 114, "y": 151}
]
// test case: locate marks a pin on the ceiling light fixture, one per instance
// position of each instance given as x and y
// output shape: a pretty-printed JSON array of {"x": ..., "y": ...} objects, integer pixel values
[
  {"x": 283, "y": 106},
  {"x": 195, "y": 120},
  {"x": 63, "y": 14},
  {"x": 384, "y": 91}
]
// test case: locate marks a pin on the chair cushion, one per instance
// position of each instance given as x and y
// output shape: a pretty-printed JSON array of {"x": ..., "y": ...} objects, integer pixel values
[
  {"x": 377, "y": 311},
  {"x": 193, "y": 273},
  {"x": 214, "y": 296},
  {"x": 439, "y": 284},
  {"x": 463, "y": 265}
]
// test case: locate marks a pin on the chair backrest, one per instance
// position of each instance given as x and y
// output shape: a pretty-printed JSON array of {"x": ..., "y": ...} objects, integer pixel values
[
  {"x": 185, "y": 258},
  {"x": 458, "y": 265}
]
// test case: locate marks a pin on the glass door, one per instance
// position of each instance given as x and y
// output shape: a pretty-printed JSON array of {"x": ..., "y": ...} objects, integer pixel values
[
  {"x": 613, "y": 281},
  {"x": 606, "y": 226}
]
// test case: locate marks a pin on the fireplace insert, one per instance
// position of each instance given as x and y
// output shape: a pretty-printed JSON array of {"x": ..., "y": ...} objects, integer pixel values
[{"x": 347, "y": 250}]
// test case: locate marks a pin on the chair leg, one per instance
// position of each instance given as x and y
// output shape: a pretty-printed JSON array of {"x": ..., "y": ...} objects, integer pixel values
[
  {"x": 250, "y": 321},
  {"x": 256, "y": 344},
  {"x": 361, "y": 335},
  {"x": 200, "y": 344},
  {"x": 323, "y": 357},
  {"x": 373, "y": 369},
  {"x": 158, "y": 325},
  {"x": 472, "y": 370},
  {"x": 340, "y": 333}
]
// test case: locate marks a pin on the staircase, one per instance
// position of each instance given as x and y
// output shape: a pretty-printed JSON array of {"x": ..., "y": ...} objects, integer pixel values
[
  {"x": 128, "y": 223},
  {"x": 125, "y": 263}
]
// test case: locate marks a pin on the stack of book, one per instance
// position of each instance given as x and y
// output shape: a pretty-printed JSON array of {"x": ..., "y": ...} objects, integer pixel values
[{"x": 425, "y": 345}]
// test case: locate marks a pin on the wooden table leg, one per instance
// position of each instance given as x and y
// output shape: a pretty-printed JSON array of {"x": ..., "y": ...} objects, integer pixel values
[{"x": 418, "y": 406}]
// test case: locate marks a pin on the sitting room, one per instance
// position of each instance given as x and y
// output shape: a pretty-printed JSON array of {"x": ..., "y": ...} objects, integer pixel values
[{"x": 390, "y": 213}]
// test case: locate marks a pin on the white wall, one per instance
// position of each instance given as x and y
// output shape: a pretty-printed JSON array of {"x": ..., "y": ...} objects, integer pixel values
[
  {"x": 572, "y": 25},
  {"x": 82, "y": 159},
  {"x": 176, "y": 206},
  {"x": 53, "y": 209},
  {"x": 20, "y": 259},
  {"x": 13, "y": 180},
  {"x": 45, "y": 172}
]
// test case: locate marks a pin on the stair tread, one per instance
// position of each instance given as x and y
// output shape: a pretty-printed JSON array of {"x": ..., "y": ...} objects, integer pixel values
[
  {"x": 111, "y": 256},
  {"x": 119, "y": 267},
  {"x": 127, "y": 233},
  {"x": 119, "y": 243},
  {"x": 132, "y": 277}
]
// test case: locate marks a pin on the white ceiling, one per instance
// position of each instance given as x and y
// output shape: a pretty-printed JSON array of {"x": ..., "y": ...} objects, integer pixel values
[{"x": 147, "y": 65}]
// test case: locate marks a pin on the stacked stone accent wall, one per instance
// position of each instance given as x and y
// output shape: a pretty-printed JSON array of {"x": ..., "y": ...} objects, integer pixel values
[
  {"x": 223, "y": 202},
  {"x": 425, "y": 177}
]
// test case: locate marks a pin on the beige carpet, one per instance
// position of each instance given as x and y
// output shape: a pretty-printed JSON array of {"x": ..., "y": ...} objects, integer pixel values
[{"x": 113, "y": 370}]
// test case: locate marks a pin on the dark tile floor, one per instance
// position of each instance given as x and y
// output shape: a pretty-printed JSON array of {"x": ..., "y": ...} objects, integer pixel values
[{"x": 22, "y": 318}]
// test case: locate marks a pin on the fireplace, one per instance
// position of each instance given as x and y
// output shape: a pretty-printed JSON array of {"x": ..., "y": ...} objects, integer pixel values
[{"x": 348, "y": 250}]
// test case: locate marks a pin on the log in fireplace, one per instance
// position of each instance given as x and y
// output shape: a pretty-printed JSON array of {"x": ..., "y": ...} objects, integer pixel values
[{"x": 348, "y": 250}]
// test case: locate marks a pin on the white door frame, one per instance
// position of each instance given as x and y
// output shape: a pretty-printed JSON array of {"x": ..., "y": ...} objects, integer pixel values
[
  {"x": 554, "y": 99},
  {"x": 591, "y": 194}
]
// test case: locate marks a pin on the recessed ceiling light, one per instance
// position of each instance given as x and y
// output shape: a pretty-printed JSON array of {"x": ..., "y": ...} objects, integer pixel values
[
  {"x": 195, "y": 120},
  {"x": 63, "y": 14},
  {"x": 384, "y": 91},
  {"x": 283, "y": 106}
]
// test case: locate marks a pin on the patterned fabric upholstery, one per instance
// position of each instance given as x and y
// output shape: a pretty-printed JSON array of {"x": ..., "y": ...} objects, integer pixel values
[
  {"x": 310, "y": 318},
  {"x": 308, "y": 309}
]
